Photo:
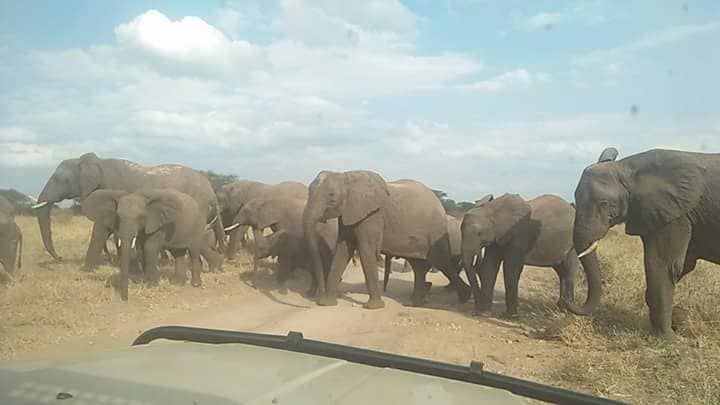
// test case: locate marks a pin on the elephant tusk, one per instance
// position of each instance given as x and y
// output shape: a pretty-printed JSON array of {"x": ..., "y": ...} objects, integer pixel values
[
  {"x": 39, "y": 205},
  {"x": 212, "y": 221},
  {"x": 589, "y": 249},
  {"x": 232, "y": 227},
  {"x": 132, "y": 245},
  {"x": 119, "y": 242}
]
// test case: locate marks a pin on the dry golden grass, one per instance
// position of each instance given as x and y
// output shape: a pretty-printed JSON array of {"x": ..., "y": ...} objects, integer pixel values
[
  {"x": 610, "y": 354},
  {"x": 613, "y": 354},
  {"x": 49, "y": 302}
]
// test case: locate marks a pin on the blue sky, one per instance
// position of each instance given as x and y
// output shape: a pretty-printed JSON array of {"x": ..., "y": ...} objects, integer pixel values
[{"x": 468, "y": 96}]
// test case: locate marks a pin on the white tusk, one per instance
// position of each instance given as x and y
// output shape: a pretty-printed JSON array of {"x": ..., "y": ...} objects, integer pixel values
[
  {"x": 132, "y": 245},
  {"x": 119, "y": 242},
  {"x": 213, "y": 220},
  {"x": 232, "y": 227},
  {"x": 39, "y": 205},
  {"x": 589, "y": 249}
]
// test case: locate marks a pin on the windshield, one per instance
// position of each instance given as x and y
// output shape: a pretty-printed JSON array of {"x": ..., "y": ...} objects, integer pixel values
[{"x": 366, "y": 173}]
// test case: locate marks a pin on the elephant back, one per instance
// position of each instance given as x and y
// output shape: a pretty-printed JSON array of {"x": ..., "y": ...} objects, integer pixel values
[
  {"x": 553, "y": 218},
  {"x": 415, "y": 221}
]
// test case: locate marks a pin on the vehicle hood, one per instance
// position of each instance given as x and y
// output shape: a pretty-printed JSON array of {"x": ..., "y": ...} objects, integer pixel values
[{"x": 170, "y": 372}]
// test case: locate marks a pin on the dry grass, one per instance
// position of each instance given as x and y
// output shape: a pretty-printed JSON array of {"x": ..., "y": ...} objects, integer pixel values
[
  {"x": 610, "y": 354},
  {"x": 613, "y": 354},
  {"x": 49, "y": 302}
]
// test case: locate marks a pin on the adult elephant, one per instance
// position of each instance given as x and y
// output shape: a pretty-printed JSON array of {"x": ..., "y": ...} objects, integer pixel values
[
  {"x": 402, "y": 219},
  {"x": 668, "y": 198},
  {"x": 77, "y": 178},
  {"x": 233, "y": 197},
  {"x": 287, "y": 242},
  {"x": 516, "y": 233}
]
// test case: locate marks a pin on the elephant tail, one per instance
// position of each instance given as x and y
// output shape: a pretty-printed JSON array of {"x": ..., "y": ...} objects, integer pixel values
[{"x": 388, "y": 265}]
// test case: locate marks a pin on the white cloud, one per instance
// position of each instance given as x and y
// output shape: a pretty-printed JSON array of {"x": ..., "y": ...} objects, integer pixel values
[
  {"x": 668, "y": 36},
  {"x": 508, "y": 80},
  {"x": 18, "y": 154},
  {"x": 543, "y": 21},
  {"x": 586, "y": 12}
]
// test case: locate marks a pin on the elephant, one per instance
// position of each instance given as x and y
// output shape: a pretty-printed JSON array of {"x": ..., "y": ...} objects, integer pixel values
[
  {"x": 287, "y": 242},
  {"x": 516, "y": 232},
  {"x": 232, "y": 197},
  {"x": 402, "y": 219},
  {"x": 453, "y": 226},
  {"x": 11, "y": 241},
  {"x": 667, "y": 197},
  {"x": 77, "y": 178},
  {"x": 152, "y": 219}
]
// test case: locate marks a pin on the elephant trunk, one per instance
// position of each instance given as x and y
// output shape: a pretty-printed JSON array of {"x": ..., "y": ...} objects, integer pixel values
[
  {"x": 311, "y": 216},
  {"x": 591, "y": 267},
  {"x": 127, "y": 246},
  {"x": 468, "y": 258},
  {"x": 45, "y": 203},
  {"x": 388, "y": 266}
]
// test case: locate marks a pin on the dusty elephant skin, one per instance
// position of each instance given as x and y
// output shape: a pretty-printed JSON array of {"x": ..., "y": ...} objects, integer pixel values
[
  {"x": 453, "y": 225},
  {"x": 77, "y": 178},
  {"x": 516, "y": 233},
  {"x": 287, "y": 242},
  {"x": 152, "y": 219},
  {"x": 671, "y": 199},
  {"x": 233, "y": 197},
  {"x": 401, "y": 219},
  {"x": 11, "y": 240}
]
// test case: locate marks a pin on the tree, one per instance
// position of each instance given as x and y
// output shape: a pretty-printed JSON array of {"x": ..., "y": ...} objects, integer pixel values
[
  {"x": 453, "y": 208},
  {"x": 218, "y": 180}
]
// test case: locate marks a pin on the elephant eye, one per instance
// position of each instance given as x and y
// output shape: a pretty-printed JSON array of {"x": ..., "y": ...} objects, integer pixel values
[{"x": 603, "y": 204}]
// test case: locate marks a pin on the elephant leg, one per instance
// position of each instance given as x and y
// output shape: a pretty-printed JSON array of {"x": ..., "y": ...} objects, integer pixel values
[
  {"x": 150, "y": 254},
  {"x": 340, "y": 260},
  {"x": 232, "y": 248},
  {"x": 195, "y": 267},
  {"x": 214, "y": 260},
  {"x": 665, "y": 252},
  {"x": 98, "y": 239},
  {"x": 367, "y": 250},
  {"x": 452, "y": 272},
  {"x": 179, "y": 276},
  {"x": 488, "y": 266},
  {"x": 512, "y": 268},
  {"x": 567, "y": 271},
  {"x": 420, "y": 284}
]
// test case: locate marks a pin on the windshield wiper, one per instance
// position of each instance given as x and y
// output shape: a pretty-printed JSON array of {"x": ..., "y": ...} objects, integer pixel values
[{"x": 294, "y": 341}]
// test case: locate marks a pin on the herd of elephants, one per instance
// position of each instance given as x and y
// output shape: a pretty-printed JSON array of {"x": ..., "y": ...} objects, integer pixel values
[{"x": 671, "y": 199}]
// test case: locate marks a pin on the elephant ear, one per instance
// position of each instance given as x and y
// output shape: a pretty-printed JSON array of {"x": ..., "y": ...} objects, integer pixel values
[
  {"x": 101, "y": 206},
  {"x": 667, "y": 187},
  {"x": 91, "y": 174},
  {"x": 163, "y": 208},
  {"x": 608, "y": 155},
  {"x": 269, "y": 213},
  {"x": 506, "y": 213},
  {"x": 366, "y": 193},
  {"x": 483, "y": 201}
]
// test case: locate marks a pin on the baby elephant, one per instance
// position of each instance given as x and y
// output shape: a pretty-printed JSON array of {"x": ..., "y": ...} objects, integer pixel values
[
  {"x": 287, "y": 243},
  {"x": 10, "y": 242},
  {"x": 516, "y": 232},
  {"x": 152, "y": 219}
]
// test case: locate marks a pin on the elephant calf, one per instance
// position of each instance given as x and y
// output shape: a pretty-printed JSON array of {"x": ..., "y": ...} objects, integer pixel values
[
  {"x": 10, "y": 241},
  {"x": 152, "y": 219},
  {"x": 288, "y": 243},
  {"x": 516, "y": 232}
]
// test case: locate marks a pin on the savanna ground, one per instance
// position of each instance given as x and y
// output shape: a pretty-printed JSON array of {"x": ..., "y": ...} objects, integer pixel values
[{"x": 53, "y": 309}]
